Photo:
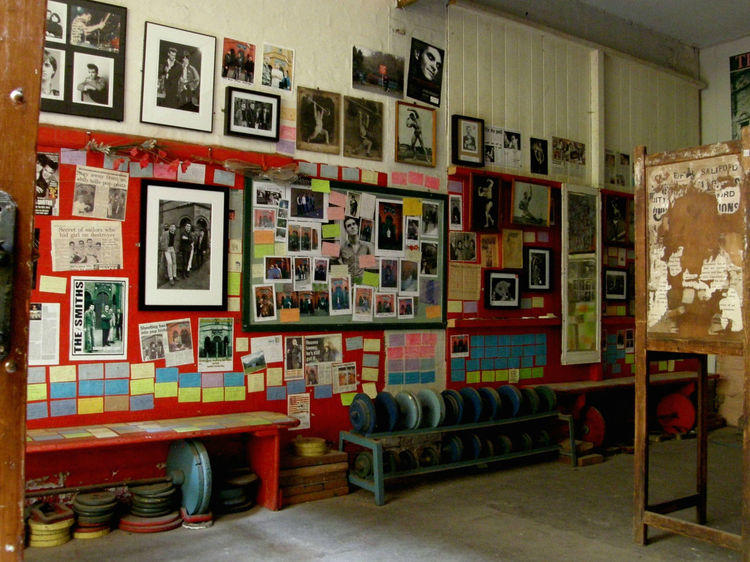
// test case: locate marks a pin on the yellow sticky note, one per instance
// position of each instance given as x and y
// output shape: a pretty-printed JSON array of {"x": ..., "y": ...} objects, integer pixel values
[
  {"x": 36, "y": 392},
  {"x": 488, "y": 376},
  {"x": 263, "y": 250},
  {"x": 233, "y": 283},
  {"x": 370, "y": 374},
  {"x": 289, "y": 314},
  {"x": 62, "y": 373},
  {"x": 347, "y": 398},
  {"x": 288, "y": 113},
  {"x": 50, "y": 284},
  {"x": 412, "y": 206},
  {"x": 215, "y": 394},
  {"x": 322, "y": 186},
  {"x": 370, "y": 278},
  {"x": 165, "y": 389},
  {"x": 472, "y": 377},
  {"x": 241, "y": 344},
  {"x": 537, "y": 302},
  {"x": 339, "y": 270},
  {"x": 529, "y": 236},
  {"x": 233, "y": 304},
  {"x": 371, "y": 345},
  {"x": 369, "y": 389},
  {"x": 258, "y": 271},
  {"x": 102, "y": 432},
  {"x": 274, "y": 376},
  {"x": 234, "y": 393},
  {"x": 142, "y": 371},
  {"x": 263, "y": 237},
  {"x": 622, "y": 310},
  {"x": 190, "y": 394},
  {"x": 451, "y": 323},
  {"x": 433, "y": 311},
  {"x": 280, "y": 249},
  {"x": 670, "y": 365},
  {"x": 94, "y": 405},
  {"x": 255, "y": 382},
  {"x": 369, "y": 176},
  {"x": 455, "y": 306},
  {"x": 141, "y": 386},
  {"x": 413, "y": 255},
  {"x": 330, "y": 230}
]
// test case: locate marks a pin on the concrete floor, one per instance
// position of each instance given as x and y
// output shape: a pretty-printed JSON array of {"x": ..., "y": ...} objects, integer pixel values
[{"x": 545, "y": 511}]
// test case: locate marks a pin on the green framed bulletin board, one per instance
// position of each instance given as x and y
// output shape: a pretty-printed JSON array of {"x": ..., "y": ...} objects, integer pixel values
[{"x": 320, "y": 254}]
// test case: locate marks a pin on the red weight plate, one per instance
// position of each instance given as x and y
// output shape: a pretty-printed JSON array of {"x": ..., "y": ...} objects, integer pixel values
[
  {"x": 136, "y": 521},
  {"x": 91, "y": 529},
  {"x": 151, "y": 529},
  {"x": 197, "y": 518},
  {"x": 675, "y": 413},
  {"x": 593, "y": 426}
]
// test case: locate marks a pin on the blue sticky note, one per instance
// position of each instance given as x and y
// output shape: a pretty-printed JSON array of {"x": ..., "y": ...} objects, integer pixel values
[
  {"x": 541, "y": 338},
  {"x": 472, "y": 365},
  {"x": 296, "y": 386},
  {"x": 36, "y": 410},
  {"x": 492, "y": 352},
  {"x": 62, "y": 390},
  {"x": 90, "y": 371},
  {"x": 223, "y": 177},
  {"x": 455, "y": 186},
  {"x": 458, "y": 376},
  {"x": 516, "y": 351},
  {"x": 477, "y": 340},
  {"x": 370, "y": 360},
  {"x": 457, "y": 363},
  {"x": 91, "y": 388},
  {"x": 349, "y": 174},
  {"x": 501, "y": 363},
  {"x": 490, "y": 340},
  {"x": 527, "y": 362},
  {"x": 167, "y": 374},
  {"x": 36, "y": 375},
  {"x": 117, "y": 370},
  {"x": 142, "y": 402},
  {"x": 616, "y": 368},
  {"x": 123, "y": 166},
  {"x": 487, "y": 364},
  {"x": 72, "y": 156},
  {"x": 234, "y": 379},
  {"x": 62, "y": 407},
  {"x": 323, "y": 391},
  {"x": 477, "y": 352},
  {"x": 354, "y": 343},
  {"x": 395, "y": 378},
  {"x": 307, "y": 168},
  {"x": 411, "y": 377},
  {"x": 116, "y": 387},
  {"x": 514, "y": 363},
  {"x": 541, "y": 360},
  {"x": 190, "y": 380},
  {"x": 427, "y": 377},
  {"x": 276, "y": 393},
  {"x": 329, "y": 171},
  {"x": 517, "y": 339},
  {"x": 503, "y": 340}
]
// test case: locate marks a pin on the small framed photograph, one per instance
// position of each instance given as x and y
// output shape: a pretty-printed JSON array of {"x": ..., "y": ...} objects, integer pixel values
[
  {"x": 485, "y": 203},
  {"x": 363, "y": 128},
  {"x": 385, "y": 305},
  {"x": 178, "y": 78},
  {"x": 615, "y": 220},
  {"x": 615, "y": 284},
  {"x": 460, "y": 345},
  {"x": 416, "y": 130},
  {"x": 252, "y": 114},
  {"x": 318, "y": 120},
  {"x": 537, "y": 268},
  {"x": 408, "y": 283},
  {"x": 406, "y": 307},
  {"x": 183, "y": 246},
  {"x": 456, "y": 212},
  {"x": 389, "y": 274},
  {"x": 530, "y": 204},
  {"x": 467, "y": 140},
  {"x": 93, "y": 79},
  {"x": 501, "y": 289},
  {"x": 462, "y": 246}
]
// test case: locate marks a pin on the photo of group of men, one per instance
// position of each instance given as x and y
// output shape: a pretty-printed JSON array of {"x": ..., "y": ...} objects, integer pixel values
[{"x": 184, "y": 246}]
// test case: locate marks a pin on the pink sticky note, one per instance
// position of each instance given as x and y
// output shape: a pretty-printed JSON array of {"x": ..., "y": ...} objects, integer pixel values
[
  {"x": 413, "y": 339},
  {"x": 335, "y": 213},
  {"x": 72, "y": 156},
  {"x": 426, "y": 351},
  {"x": 287, "y": 132},
  {"x": 337, "y": 198},
  {"x": 162, "y": 170},
  {"x": 432, "y": 182},
  {"x": 398, "y": 178},
  {"x": 412, "y": 352},
  {"x": 330, "y": 249},
  {"x": 429, "y": 339},
  {"x": 368, "y": 260},
  {"x": 395, "y": 353},
  {"x": 416, "y": 178}
]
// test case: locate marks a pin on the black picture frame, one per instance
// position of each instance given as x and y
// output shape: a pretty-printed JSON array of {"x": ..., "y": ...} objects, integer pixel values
[
  {"x": 467, "y": 141},
  {"x": 615, "y": 284},
  {"x": 252, "y": 114},
  {"x": 83, "y": 68},
  {"x": 192, "y": 275},
  {"x": 501, "y": 289},
  {"x": 537, "y": 266},
  {"x": 485, "y": 203}
]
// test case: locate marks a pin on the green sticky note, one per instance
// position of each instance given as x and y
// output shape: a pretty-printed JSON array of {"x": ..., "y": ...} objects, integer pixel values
[
  {"x": 263, "y": 250},
  {"x": 537, "y": 372},
  {"x": 347, "y": 398},
  {"x": 323, "y": 186},
  {"x": 501, "y": 375},
  {"x": 525, "y": 373},
  {"x": 488, "y": 376},
  {"x": 629, "y": 358},
  {"x": 663, "y": 365},
  {"x": 370, "y": 278},
  {"x": 331, "y": 230},
  {"x": 472, "y": 377},
  {"x": 233, "y": 283}
]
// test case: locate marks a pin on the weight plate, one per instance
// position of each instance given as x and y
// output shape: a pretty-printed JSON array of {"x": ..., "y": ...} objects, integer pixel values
[
  {"x": 95, "y": 518},
  {"x": 87, "y": 513},
  {"x": 239, "y": 507},
  {"x": 472, "y": 446},
  {"x": 206, "y": 470},
  {"x": 407, "y": 460},
  {"x": 64, "y": 524},
  {"x": 488, "y": 448},
  {"x": 503, "y": 445},
  {"x": 150, "y": 528},
  {"x": 512, "y": 399},
  {"x": 150, "y": 511},
  {"x": 525, "y": 442},
  {"x": 198, "y": 518},
  {"x": 547, "y": 398},
  {"x": 410, "y": 410},
  {"x": 390, "y": 461},
  {"x": 231, "y": 493},
  {"x": 234, "y": 501},
  {"x": 472, "y": 405},
  {"x": 363, "y": 465},
  {"x": 45, "y": 544},
  {"x": 137, "y": 521},
  {"x": 145, "y": 502},
  {"x": 428, "y": 456},
  {"x": 454, "y": 407},
  {"x": 50, "y": 512},
  {"x": 47, "y": 535},
  {"x": 184, "y": 462},
  {"x": 530, "y": 404},
  {"x": 152, "y": 489},
  {"x": 542, "y": 439},
  {"x": 676, "y": 413},
  {"x": 362, "y": 414},
  {"x": 83, "y": 524},
  {"x": 453, "y": 449},
  {"x": 386, "y": 412},
  {"x": 91, "y": 535},
  {"x": 490, "y": 403},
  {"x": 242, "y": 480},
  {"x": 593, "y": 426},
  {"x": 91, "y": 528},
  {"x": 95, "y": 499},
  {"x": 433, "y": 407}
]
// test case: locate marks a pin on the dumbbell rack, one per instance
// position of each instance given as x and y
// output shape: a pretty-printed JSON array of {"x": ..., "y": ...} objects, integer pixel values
[{"x": 375, "y": 443}]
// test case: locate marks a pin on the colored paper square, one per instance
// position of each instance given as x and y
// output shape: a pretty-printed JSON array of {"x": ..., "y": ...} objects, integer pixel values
[
  {"x": 141, "y": 386},
  {"x": 335, "y": 214},
  {"x": 212, "y": 380},
  {"x": 432, "y": 311},
  {"x": 427, "y": 377},
  {"x": 369, "y": 176},
  {"x": 411, "y": 377},
  {"x": 331, "y": 230},
  {"x": 368, "y": 260},
  {"x": 234, "y": 379},
  {"x": 190, "y": 380},
  {"x": 330, "y": 249},
  {"x": 349, "y": 174},
  {"x": 263, "y": 250},
  {"x": 36, "y": 375},
  {"x": 90, "y": 388},
  {"x": 398, "y": 178},
  {"x": 411, "y": 364},
  {"x": 458, "y": 363},
  {"x": 432, "y": 182},
  {"x": 189, "y": 394},
  {"x": 306, "y": 168},
  {"x": 427, "y": 364},
  {"x": 477, "y": 352},
  {"x": 165, "y": 390},
  {"x": 371, "y": 279},
  {"x": 73, "y": 156},
  {"x": 90, "y": 371},
  {"x": 323, "y": 391},
  {"x": 142, "y": 371},
  {"x": 119, "y": 370},
  {"x": 537, "y": 373},
  {"x": 223, "y": 177},
  {"x": 255, "y": 382},
  {"x": 455, "y": 307},
  {"x": 144, "y": 402},
  {"x": 62, "y": 390},
  {"x": 413, "y": 339},
  {"x": 296, "y": 386},
  {"x": 501, "y": 363},
  {"x": 213, "y": 394},
  {"x": 527, "y": 361},
  {"x": 116, "y": 403},
  {"x": 62, "y": 373},
  {"x": 488, "y": 376},
  {"x": 59, "y": 408},
  {"x": 501, "y": 375},
  {"x": 616, "y": 369},
  {"x": 487, "y": 364},
  {"x": 371, "y": 345},
  {"x": 370, "y": 374},
  {"x": 415, "y": 178},
  {"x": 329, "y": 171},
  {"x": 630, "y": 358},
  {"x": 514, "y": 362},
  {"x": 396, "y": 352},
  {"x": 354, "y": 343},
  {"x": 234, "y": 393},
  {"x": 370, "y": 360},
  {"x": 472, "y": 377},
  {"x": 116, "y": 387},
  {"x": 337, "y": 198},
  {"x": 276, "y": 393},
  {"x": 347, "y": 398},
  {"x": 35, "y": 392},
  {"x": 470, "y": 307},
  {"x": 455, "y": 186},
  {"x": 274, "y": 376},
  {"x": 36, "y": 411},
  {"x": 167, "y": 374},
  {"x": 289, "y": 315},
  {"x": 472, "y": 365},
  {"x": 395, "y": 378},
  {"x": 525, "y": 373},
  {"x": 91, "y": 405},
  {"x": 541, "y": 360},
  {"x": 321, "y": 186}
]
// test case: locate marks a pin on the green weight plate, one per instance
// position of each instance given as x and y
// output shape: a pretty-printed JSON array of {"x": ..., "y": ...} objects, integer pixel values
[
  {"x": 503, "y": 445},
  {"x": 138, "y": 500},
  {"x": 95, "y": 499},
  {"x": 239, "y": 507},
  {"x": 453, "y": 449},
  {"x": 472, "y": 446},
  {"x": 525, "y": 442},
  {"x": 362, "y": 414},
  {"x": 490, "y": 403},
  {"x": 95, "y": 519},
  {"x": 136, "y": 521},
  {"x": 547, "y": 398},
  {"x": 363, "y": 465},
  {"x": 147, "y": 514},
  {"x": 390, "y": 461},
  {"x": 429, "y": 456},
  {"x": 152, "y": 489},
  {"x": 93, "y": 513},
  {"x": 185, "y": 466},
  {"x": 454, "y": 407},
  {"x": 512, "y": 400},
  {"x": 410, "y": 410},
  {"x": 386, "y": 412},
  {"x": 472, "y": 405},
  {"x": 242, "y": 479},
  {"x": 407, "y": 460},
  {"x": 542, "y": 439},
  {"x": 433, "y": 407},
  {"x": 531, "y": 401}
]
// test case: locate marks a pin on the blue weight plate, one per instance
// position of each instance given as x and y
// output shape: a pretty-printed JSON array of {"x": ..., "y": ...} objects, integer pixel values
[
  {"x": 472, "y": 446},
  {"x": 206, "y": 474},
  {"x": 454, "y": 407},
  {"x": 410, "y": 410},
  {"x": 185, "y": 468},
  {"x": 453, "y": 449},
  {"x": 490, "y": 403},
  {"x": 386, "y": 411},
  {"x": 472, "y": 405},
  {"x": 433, "y": 407},
  {"x": 362, "y": 413},
  {"x": 513, "y": 397}
]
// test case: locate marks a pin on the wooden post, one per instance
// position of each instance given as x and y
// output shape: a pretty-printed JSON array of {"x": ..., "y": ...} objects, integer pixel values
[{"x": 745, "y": 160}]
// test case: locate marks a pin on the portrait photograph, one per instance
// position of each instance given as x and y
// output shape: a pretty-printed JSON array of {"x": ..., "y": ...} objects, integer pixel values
[
  {"x": 95, "y": 25},
  {"x": 264, "y": 303},
  {"x": 455, "y": 212},
  {"x": 582, "y": 223},
  {"x": 320, "y": 270},
  {"x": 363, "y": 297},
  {"x": 377, "y": 72},
  {"x": 264, "y": 219},
  {"x": 389, "y": 274},
  {"x": 340, "y": 296},
  {"x": 252, "y": 114},
  {"x": 489, "y": 250},
  {"x": 56, "y": 25},
  {"x": 615, "y": 284},
  {"x": 302, "y": 274},
  {"x": 385, "y": 305},
  {"x": 425, "y": 72},
  {"x": 537, "y": 268},
  {"x": 238, "y": 61},
  {"x": 183, "y": 246},
  {"x": 306, "y": 204},
  {"x": 406, "y": 307},
  {"x": 428, "y": 264},
  {"x": 278, "y": 67},
  {"x": 178, "y": 78},
  {"x": 615, "y": 219},
  {"x": 462, "y": 246},
  {"x": 53, "y": 74},
  {"x": 318, "y": 118},
  {"x": 416, "y": 128},
  {"x": 363, "y": 128},
  {"x": 92, "y": 79},
  {"x": 430, "y": 220},
  {"x": 539, "y": 159},
  {"x": 390, "y": 227},
  {"x": 412, "y": 230},
  {"x": 408, "y": 279},
  {"x": 267, "y": 194},
  {"x": 500, "y": 289},
  {"x": 460, "y": 345},
  {"x": 277, "y": 269},
  {"x": 530, "y": 204},
  {"x": 352, "y": 247},
  {"x": 467, "y": 141},
  {"x": 485, "y": 203}
]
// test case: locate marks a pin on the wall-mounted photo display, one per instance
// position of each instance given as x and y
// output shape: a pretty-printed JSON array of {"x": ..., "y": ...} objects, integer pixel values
[
  {"x": 178, "y": 78},
  {"x": 501, "y": 289},
  {"x": 485, "y": 203},
  {"x": 377, "y": 72},
  {"x": 615, "y": 284},
  {"x": 467, "y": 141},
  {"x": 425, "y": 72},
  {"x": 530, "y": 204},
  {"x": 582, "y": 223},
  {"x": 380, "y": 260},
  {"x": 539, "y": 156},
  {"x": 318, "y": 120},
  {"x": 416, "y": 130},
  {"x": 252, "y": 114},
  {"x": 363, "y": 128},
  {"x": 83, "y": 67},
  {"x": 537, "y": 268}
]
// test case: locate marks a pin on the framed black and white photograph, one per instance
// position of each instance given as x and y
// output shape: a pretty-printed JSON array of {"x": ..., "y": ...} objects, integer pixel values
[
  {"x": 390, "y": 227},
  {"x": 425, "y": 79},
  {"x": 467, "y": 141},
  {"x": 485, "y": 203},
  {"x": 178, "y": 78},
  {"x": 615, "y": 220},
  {"x": 537, "y": 269},
  {"x": 456, "y": 212},
  {"x": 377, "y": 72},
  {"x": 615, "y": 284},
  {"x": 462, "y": 246},
  {"x": 83, "y": 68},
  {"x": 501, "y": 289},
  {"x": 318, "y": 119},
  {"x": 183, "y": 246},
  {"x": 363, "y": 128},
  {"x": 252, "y": 114},
  {"x": 416, "y": 129},
  {"x": 530, "y": 204},
  {"x": 98, "y": 318},
  {"x": 539, "y": 158}
]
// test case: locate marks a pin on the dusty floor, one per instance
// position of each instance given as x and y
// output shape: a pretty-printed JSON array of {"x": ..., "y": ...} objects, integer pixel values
[{"x": 545, "y": 511}]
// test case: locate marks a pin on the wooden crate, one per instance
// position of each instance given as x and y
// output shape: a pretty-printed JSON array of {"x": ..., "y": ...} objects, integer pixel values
[{"x": 304, "y": 479}]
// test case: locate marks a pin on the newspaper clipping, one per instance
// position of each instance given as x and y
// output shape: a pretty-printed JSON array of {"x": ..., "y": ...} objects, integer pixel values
[
  {"x": 171, "y": 341},
  {"x": 100, "y": 193},
  {"x": 98, "y": 318},
  {"x": 86, "y": 245},
  {"x": 215, "y": 337},
  {"x": 44, "y": 333}
]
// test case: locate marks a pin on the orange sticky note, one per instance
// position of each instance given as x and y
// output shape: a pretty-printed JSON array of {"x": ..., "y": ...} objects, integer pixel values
[
  {"x": 330, "y": 249},
  {"x": 433, "y": 311},
  {"x": 289, "y": 314},
  {"x": 263, "y": 237},
  {"x": 337, "y": 198},
  {"x": 335, "y": 213},
  {"x": 368, "y": 260}
]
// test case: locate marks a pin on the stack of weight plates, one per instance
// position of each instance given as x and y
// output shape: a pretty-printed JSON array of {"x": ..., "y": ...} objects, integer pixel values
[
  {"x": 236, "y": 492},
  {"x": 95, "y": 513},
  {"x": 50, "y": 534},
  {"x": 153, "y": 500},
  {"x": 135, "y": 524}
]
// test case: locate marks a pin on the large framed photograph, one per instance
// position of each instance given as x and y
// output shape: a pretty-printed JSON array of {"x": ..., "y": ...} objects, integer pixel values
[
  {"x": 83, "y": 67},
  {"x": 425, "y": 72},
  {"x": 98, "y": 318},
  {"x": 537, "y": 268},
  {"x": 178, "y": 78},
  {"x": 530, "y": 203},
  {"x": 416, "y": 129},
  {"x": 615, "y": 284},
  {"x": 501, "y": 289},
  {"x": 183, "y": 246},
  {"x": 363, "y": 128},
  {"x": 467, "y": 140},
  {"x": 318, "y": 119},
  {"x": 485, "y": 203},
  {"x": 252, "y": 114}
]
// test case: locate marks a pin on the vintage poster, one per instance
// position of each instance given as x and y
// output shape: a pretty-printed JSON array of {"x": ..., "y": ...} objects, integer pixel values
[
  {"x": 511, "y": 149},
  {"x": 253, "y": 362},
  {"x": 344, "y": 377},
  {"x": 323, "y": 349},
  {"x": 493, "y": 146},
  {"x": 44, "y": 333},
  {"x": 298, "y": 406},
  {"x": 86, "y": 245},
  {"x": 47, "y": 184},
  {"x": 739, "y": 78},
  {"x": 98, "y": 318},
  {"x": 215, "y": 343},
  {"x": 490, "y": 256},
  {"x": 465, "y": 281},
  {"x": 100, "y": 193},
  {"x": 512, "y": 248}
]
